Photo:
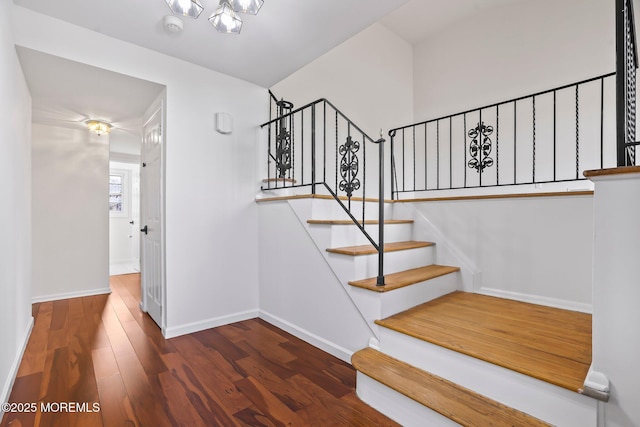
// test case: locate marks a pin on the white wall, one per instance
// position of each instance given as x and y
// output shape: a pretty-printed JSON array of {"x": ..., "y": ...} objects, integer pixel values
[
  {"x": 532, "y": 249},
  {"x": 15, "y": 215},
  {"x": 70, "y": 212},
  {"x": 616, "y": 342},
  {"x": 211, "y": 220},
  {"x": 510, "y": 51},
  {"x": 299, "y": 291},
  {"x": 368, "y": 77}
]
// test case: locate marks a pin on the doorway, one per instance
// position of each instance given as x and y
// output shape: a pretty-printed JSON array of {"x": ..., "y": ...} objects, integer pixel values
[{"x": 124, "y": 218}]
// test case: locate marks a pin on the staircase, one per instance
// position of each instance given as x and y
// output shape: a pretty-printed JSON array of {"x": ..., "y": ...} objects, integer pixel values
[{"x": 440, "y": 356}]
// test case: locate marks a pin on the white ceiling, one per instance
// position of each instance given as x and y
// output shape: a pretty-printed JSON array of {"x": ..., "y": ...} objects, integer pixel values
[
  {"x": 66, "y": 93},
  {"x": 282, "y": 38}
]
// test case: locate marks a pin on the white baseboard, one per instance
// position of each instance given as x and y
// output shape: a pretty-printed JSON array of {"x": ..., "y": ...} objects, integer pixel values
[
  {"x": 540, "y": 300},
  {"x": 11, "y": 378},
  {"x": 313, "y": 339},
  {"x": 67, "y": 295},
  {"x": 189, "y": 328}
]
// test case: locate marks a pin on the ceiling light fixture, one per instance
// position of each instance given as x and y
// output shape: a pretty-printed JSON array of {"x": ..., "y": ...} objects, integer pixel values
[
  {"x": 250, "y": 7},
  {"x": 190, "y": 8},
  {"x": 225, "y": 19},
  {"x": 98, "y": 127}
]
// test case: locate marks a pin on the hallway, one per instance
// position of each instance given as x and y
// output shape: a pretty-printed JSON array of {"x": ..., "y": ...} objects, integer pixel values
[{"x": 103, "y": 349}]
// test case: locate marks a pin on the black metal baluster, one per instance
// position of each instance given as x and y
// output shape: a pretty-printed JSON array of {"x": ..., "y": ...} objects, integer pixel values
[
  {"x": 392, "y": 135},
  {"x": 324, "y": 141},
  {"x": 577, "y": 131},
  {"x": 313, "y": 149},
  {"x": 426, "y": 147},
  {"x": 602, "y": 123},
  {"x": 555, "y": 156},
  {"x": 534, "y": 138},
  {"x": 364, "y": 174},
  {"x": 438, "y": 154},
  {"x": 464, "y": 148},
  {"x": 302, "y": 181},
  {"x": 497, "y": 145},
  {"x": 404, "y": 175},
  {"x": 413, "y": 129},
  {"x": 515, "y": 137},
  {"x": 450, "y": 153},
  {"x": 481, "y": 136},
  {"x": 292, "y": 171},
  {"x": 337, "y": 164}
]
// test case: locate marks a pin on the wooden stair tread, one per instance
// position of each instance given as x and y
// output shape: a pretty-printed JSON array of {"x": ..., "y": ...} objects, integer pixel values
[
  {"x": 405, "y": 278},
  {"x": 388, "y": 247},
  {"x": 546, "y": 343},
  {"x": 350, "y": 222},
  {"x": 455, "y": 402}
]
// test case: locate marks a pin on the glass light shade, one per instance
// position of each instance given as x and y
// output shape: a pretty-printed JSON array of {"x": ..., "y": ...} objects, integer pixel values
[
  {"x": 190, "y": 8},
  {"x": 247, "y": 6},
  {"x": 98, "y": 127},
  {"x": 225, "y": 20}
]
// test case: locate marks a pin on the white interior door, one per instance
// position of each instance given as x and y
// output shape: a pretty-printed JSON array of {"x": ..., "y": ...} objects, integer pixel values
[{"x": 152, "y": 262}]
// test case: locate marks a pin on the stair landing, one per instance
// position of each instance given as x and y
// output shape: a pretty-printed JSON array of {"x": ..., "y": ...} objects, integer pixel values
[{"x": 549, "y": 344}]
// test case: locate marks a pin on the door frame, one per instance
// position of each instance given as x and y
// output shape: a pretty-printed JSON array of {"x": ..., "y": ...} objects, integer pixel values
[{"x": 158, "y": 105}]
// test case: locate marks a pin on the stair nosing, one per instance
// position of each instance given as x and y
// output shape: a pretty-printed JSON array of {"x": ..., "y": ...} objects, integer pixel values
[
  {"x": 369, "y": 283},
  {"x": 383, "y": 362},
  {"x": 366, "y": 222},
  {"x": 388, "y": 247}
]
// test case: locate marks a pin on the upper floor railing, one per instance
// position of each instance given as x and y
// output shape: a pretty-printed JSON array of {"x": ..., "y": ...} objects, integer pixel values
[
  {"x": 626, "y": 66},
  {"x": 317, "y": 146},
  {"x": 549, "y": 136}
]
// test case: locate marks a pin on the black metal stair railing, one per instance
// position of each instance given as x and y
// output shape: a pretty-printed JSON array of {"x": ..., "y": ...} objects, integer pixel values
[
  {"x": 626, "y": 66},
  {"x": 550, "y": 136},
  {"x": 317, "y": 146}
]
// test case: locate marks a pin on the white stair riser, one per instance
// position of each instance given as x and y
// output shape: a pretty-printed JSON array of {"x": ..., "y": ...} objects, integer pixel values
[
  {"x": 367, "y": 265},
  {"x": 378, "y": 305},
  {"x": 396, "y": 406},
  {"x": 350, "y": 235},
  {"x": 556, "y": 405},
  {"x": 330, "y": 209}
]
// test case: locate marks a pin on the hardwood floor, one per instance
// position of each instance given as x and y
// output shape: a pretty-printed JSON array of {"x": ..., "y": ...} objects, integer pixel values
[{"x": 104, "y": 350}]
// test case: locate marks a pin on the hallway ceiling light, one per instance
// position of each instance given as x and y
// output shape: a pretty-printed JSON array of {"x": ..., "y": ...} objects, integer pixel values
[
  {"x": 225, "y": 19},
  {"x": 247, "y": 6},
  {"x": 98, "y": 127},
  {"x": 190, "y": 8}
]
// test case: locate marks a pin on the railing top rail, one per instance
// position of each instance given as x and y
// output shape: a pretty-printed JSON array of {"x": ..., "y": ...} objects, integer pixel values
[
  {"x": 319, "y": 101},
  {"x": 504, "y": 102}
]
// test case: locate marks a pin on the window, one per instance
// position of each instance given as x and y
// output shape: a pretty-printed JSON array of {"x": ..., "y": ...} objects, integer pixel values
[{"x": 116, "y": 193}]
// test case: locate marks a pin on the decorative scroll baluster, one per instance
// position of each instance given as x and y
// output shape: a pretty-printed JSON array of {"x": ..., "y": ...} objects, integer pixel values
[
  {"x": 480, "y": 147},
  {"x": 349, "y": 166},
  {"x": 283, "y": 140}
]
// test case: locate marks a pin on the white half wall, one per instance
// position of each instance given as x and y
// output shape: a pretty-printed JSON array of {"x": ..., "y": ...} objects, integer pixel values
[
  {"x": 616, "y": 342},
  {"x": 368, "y": 77},
  {"x": 510, "y": 51},
  {"x": 211, "y": 218},
  {"x": 536, "y": 249},
  {"x": 299, "y": 291},
  {"x": 15, "y": 215},
  {"x": 70, "y": 193}
]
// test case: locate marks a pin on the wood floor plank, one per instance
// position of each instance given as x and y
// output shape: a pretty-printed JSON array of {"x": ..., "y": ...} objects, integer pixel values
[
  {"x": 268, "y": 404},
  {"x": 103, "y": 349}
]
